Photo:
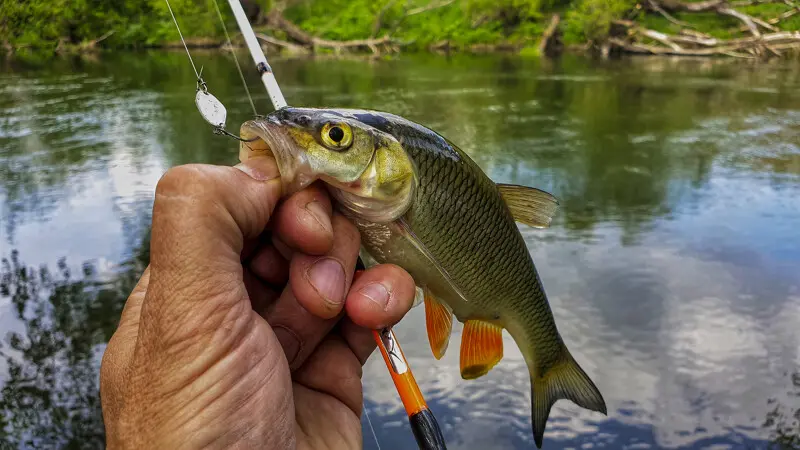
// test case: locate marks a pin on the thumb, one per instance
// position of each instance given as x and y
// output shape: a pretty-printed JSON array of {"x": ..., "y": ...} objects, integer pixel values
[{"x": 202, "y": 215}]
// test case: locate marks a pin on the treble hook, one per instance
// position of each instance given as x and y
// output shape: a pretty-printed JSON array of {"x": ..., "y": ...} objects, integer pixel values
[{"x": 223, "y": 131}]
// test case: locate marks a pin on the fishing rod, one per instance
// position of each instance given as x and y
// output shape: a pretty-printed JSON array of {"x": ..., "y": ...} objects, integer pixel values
[
  {"x": 263, "y": 67},
  {"x": 423, "y": 423}
]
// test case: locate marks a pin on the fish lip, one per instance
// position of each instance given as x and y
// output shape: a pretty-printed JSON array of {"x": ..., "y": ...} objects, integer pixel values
[{"x": 272, "y": 138}]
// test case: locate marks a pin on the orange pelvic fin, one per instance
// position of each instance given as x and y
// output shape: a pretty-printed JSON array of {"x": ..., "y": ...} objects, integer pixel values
[
  {"x": 439, "y": 321},
  {"x": 481, "y": 348}
]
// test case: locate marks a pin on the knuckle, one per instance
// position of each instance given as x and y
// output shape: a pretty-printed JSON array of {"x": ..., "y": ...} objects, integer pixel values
[
  {"x": 181, "y": 179},
  {"x": 109, "y": 362}
]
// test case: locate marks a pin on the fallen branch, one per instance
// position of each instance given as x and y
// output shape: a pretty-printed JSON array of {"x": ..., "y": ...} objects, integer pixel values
[
  {"x": 677, "y": 5},
  {"x": 635, "y": 47},
  {"x": 100, "y": 39},
  {"x": 276, "y": 20},
  {"x": 719, "y": 6},
  {"x": 696, "y": 44},
  {"x": 785, "y": 15},
  {"x": 307, "y": 40},
  {"x": 655, "y": 7},
  {"x": 427, "y": 8},
  {"x": 749, "y": 21},
  {"x": 753, "y": 2},
  {"x": 661, "y": 37},
  {"x": 776, "y": 20},
  {"x": 285, "y": 44}
]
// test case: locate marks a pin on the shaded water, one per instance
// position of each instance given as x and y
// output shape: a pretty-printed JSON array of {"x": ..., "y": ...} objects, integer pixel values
[{"x": 671, "y": 267}]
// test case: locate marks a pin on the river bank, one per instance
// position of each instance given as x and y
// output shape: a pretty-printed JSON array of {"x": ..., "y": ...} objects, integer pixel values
[{"x": 737, "y": 28}]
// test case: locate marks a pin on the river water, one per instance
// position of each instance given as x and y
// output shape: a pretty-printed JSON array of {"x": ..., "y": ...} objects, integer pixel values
[{"x": 671, "y": 267}]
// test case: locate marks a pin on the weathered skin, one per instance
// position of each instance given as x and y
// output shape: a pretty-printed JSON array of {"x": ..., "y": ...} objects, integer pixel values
[{"x": 455, "y": 236}]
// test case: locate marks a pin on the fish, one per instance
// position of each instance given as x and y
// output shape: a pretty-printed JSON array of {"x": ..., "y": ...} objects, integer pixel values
[{"x": 422, "y": 203}]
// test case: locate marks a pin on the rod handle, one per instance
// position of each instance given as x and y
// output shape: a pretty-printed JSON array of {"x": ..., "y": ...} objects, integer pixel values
[{"x": 426, "y": 430}]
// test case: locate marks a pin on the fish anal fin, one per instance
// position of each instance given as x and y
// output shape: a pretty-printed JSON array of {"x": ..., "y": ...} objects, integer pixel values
[
  {"x": 481, "y": 348},
  {"x": 531, "y": 206},
  {"x": 564, "y": 380},
  {"x": 439, "y": 322}
]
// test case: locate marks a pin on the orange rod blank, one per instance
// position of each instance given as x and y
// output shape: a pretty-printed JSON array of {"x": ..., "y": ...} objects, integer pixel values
[
  {"x": 423, "y": 424},
  {"x": 400, "y": 371}
]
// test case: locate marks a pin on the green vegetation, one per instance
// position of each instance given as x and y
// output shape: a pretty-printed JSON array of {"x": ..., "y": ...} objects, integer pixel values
[
  {"x": 51, "y": 24},
  {"x": 417, "y": 25}
]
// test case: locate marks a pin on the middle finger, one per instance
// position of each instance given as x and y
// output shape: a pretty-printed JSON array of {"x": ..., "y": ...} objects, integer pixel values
[{"x": 312, "y": 302}]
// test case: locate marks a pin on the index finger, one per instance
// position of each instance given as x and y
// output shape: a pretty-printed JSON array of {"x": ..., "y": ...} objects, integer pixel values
[{"x": 303, "y": 221}]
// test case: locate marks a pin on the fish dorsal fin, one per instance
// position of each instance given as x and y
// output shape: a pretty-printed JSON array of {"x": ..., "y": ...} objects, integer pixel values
[
  {"x": 531, "y": 206},
  {"x": 481, "y": 348},
  {"x": 439, "y": 322}
]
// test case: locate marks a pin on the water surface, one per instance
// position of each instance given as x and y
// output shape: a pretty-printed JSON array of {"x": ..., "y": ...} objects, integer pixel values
[{"x": 671, "y": 267}]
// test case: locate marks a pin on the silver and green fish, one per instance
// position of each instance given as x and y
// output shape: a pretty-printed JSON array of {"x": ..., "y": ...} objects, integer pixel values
[{"x": 421, "y": 203}]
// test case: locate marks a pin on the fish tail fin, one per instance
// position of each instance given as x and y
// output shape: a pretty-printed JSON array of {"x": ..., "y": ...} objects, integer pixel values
[{"x": 566, "y": 380}]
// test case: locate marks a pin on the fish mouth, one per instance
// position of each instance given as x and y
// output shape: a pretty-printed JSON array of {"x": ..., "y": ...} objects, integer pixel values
[{"x": 270, "y": 137}]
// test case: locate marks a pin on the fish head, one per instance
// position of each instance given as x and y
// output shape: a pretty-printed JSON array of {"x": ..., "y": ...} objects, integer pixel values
[{"x": 365, "y": 169}]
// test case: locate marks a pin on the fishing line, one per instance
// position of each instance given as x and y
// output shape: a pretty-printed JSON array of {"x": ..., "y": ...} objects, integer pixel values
[
  {"x": 184, "y": 42},
  {"x": 212, "y": 110},
  {"x": 235, "y": 59},
  {"x": 366, "y": 413}
]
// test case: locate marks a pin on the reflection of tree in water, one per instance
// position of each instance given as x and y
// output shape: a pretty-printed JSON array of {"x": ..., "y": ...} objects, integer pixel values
[
  {"x": 51, "y": 397},
  {"x": 783, "y": 422}
]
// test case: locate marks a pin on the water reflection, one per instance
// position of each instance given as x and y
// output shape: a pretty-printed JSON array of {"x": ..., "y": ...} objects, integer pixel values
[
  {"x": 50, "y": 397},
  {"x": 671, "y": 266}
]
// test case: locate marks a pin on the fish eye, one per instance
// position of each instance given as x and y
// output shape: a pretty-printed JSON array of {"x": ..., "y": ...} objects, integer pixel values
[{"x": 337, "y": 136}]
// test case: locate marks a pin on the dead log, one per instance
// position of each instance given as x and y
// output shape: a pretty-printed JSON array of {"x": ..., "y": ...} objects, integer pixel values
[
  {"x": 655, "y": 7},
  {"x": 294, "y": 48},
  {"x": 551, "y": 39},
  {"x": 697, "y": 44},
  {"x": 276, "y": 20}
]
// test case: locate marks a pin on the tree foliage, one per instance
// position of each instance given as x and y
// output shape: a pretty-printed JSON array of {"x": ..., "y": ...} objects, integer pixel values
[
  {"x": 48, "y": 23},
  {"x": 52, "y": 24}
]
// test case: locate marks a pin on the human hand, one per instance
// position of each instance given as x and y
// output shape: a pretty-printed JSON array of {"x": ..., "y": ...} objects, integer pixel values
[{"x": 246, "y": 329}]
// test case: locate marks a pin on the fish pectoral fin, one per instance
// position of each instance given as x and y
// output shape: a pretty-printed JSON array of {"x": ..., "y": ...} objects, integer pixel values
[
  {"x": 409, "y": 234},
  {"x": 531, "y": 206},
  {"x": 481, "y": 348},
  {"x": 439, "y": 322},
  {"x": 419, "y": 297}
]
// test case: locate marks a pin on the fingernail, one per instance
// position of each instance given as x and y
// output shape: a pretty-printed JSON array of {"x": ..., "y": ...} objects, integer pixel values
[
  {"x": 319, "y": 214},
  {"x": 378, "y": 293},
  {"x": 327, "y": 278},
  {"x": 260, "y": 168},
  {"x": 289, "y": 342}
]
